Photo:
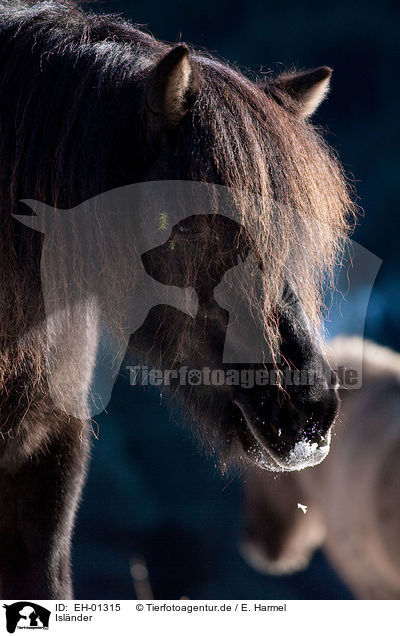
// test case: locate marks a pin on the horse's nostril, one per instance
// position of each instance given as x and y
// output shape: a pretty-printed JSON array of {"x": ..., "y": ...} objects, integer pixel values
[{"x": 290, "y": 422}]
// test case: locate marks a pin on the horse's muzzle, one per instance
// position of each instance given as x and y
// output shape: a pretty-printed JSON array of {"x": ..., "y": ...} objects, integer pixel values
[{"x": 288, "y": 435}]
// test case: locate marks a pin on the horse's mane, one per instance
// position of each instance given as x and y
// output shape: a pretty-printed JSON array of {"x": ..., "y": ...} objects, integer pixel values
[{"x": 71, "y": 89}]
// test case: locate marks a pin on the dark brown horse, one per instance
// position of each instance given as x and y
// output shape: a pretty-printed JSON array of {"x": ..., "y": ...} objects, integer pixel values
[{"x": 89, "y": 104}]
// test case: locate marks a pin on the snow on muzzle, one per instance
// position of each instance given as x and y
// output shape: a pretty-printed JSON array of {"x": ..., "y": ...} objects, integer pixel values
[{"x": 287, "y": 435}]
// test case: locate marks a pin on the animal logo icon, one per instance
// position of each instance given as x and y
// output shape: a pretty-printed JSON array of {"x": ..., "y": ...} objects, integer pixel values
[
  {"x": 102, "y": 273},
  {"x": 26, "y": 615}
]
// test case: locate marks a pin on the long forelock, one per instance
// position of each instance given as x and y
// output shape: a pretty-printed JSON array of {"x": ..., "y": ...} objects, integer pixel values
[{"x": 291, "y": 189}]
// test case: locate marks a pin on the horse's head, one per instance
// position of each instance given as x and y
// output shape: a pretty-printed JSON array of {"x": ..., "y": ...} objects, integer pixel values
[{"x": 210, "y": 123}]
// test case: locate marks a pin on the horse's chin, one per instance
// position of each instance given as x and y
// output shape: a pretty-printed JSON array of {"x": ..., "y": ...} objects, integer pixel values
[{"x": 304, "y": 454}]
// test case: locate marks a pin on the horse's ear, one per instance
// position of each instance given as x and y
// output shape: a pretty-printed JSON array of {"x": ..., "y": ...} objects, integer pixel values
[
  {"x": 306, "y": 89},
  {"x": 171, "y": 88}
]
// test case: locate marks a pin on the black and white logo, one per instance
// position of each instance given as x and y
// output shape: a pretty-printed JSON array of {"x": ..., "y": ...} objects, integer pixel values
[{"x": 26, "y": 615}]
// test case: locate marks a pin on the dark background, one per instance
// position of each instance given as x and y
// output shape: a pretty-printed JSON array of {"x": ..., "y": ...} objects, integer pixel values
[{"x": 150, "y": 492}]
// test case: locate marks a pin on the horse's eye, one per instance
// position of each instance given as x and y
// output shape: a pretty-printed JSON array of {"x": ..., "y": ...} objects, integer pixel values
[{"x": 184, "y": 229}]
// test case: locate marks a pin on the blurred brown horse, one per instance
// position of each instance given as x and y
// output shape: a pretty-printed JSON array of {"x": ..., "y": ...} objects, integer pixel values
[{"x": 352, "y": 499}]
